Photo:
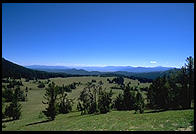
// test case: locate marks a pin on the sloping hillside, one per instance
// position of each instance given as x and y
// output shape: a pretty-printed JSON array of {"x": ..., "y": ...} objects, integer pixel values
[{"x": 10, "y": 69}]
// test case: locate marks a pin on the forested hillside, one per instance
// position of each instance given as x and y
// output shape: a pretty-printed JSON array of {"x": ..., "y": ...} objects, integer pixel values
[{"x": 10, "y": 69}]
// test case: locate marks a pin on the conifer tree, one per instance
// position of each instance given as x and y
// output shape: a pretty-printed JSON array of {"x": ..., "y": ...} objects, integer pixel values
[
  {"x": 50, "y": 96},
  {"x": 14, "y": 109},
  {"x": 139, "y": 103}
]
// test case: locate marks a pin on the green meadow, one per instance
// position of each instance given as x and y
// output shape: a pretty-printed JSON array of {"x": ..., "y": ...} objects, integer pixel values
[{"x": 34, "y": 120}]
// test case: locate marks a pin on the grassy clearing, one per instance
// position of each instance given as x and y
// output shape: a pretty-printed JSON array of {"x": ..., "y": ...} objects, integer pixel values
[{"x": 115, "y": 120}]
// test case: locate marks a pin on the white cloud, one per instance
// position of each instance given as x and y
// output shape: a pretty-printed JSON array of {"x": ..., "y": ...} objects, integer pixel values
[{"x": 153, "y": 62}]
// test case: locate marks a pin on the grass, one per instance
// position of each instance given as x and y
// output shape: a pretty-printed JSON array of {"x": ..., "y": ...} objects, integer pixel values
[{"x": 32, "y": 120}]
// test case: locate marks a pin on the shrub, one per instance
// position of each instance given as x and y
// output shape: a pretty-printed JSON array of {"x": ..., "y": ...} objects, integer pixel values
[
  {"x": 72, "y": 85},
  {"x": 41, "y": 85},
  {"x": 100, "y": 82},
  {"x": 93, "y": 81}
]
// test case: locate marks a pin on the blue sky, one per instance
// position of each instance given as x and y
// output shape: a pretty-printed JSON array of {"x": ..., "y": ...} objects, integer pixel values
[{"x": 91, "y": 34}]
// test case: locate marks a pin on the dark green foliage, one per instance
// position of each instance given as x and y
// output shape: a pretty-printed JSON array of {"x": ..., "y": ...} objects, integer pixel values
[
  {"x": 139, "y": 103},
  {"x": 104, "y": 101},
  {"x": 174, "y": 91},
  {"x": 190, "y": 73},
  {"x": 118, "y": 80},
  {"x": 50, "y": 96},
  {"x": 13, "y": 83},
  {"x": 88, "y": 100},
  {"x": 186, "y": 78},
  {"x": 93, "y": 81},
  {"x": 65, "y": 105},
  {"x": 2, "y": 108},
  {"x": 84, "y": 101},
  {"x": 119, "y": 102},
  {"x": 7, "y": 93},
  {"x": 21, "y": 96},
  {"x": 66, "y": 88},
  {"x": 14, "y": 109},
  {"x": 163, "y": 93},
  {"x": 26, "y": 91},
  {"x": 100, "y": 82},
  {"x": 126, "y": 100},
  {"x": 73, "y": 85},
  {"x": 41, "y": 85},
  {"x": 157, "y": 93},
  {"x": 129, "y": 98},
  {"x": 48, "y": 81},
  {"x": 110, "y": 81}
]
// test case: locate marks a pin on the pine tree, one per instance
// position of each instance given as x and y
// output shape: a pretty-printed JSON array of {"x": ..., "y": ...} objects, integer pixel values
[
  {"x": 104, "y": 101},
  {"x": 65, "y": 105},
  {"x": 190, "y": 72},
  {"x": 139, "y": 103},
  {"x": 50, "y": 96},
  {"x": 14, "y": 109}
]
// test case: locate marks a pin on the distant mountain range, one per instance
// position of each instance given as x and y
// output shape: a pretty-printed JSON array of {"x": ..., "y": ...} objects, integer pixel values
[
  {"x": 139, "y": 72},
  {"x": 100, "y": 69},
  {"x": 10, "y": 69}
]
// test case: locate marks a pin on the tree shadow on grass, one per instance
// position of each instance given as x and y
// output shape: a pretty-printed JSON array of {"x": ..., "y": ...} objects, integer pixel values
[
  {"x": 157, "y": 111},
  {"x": 8, "y": 120},
  {"x": 39, "y": 122},
  {"x": 83, "y": 116}
]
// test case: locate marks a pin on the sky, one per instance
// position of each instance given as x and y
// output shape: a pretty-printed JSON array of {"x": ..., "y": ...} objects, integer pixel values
[{"x": 98, "y": 34}]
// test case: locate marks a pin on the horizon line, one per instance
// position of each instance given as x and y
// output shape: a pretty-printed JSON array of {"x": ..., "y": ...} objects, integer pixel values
[{"x": 83, "y": 65}]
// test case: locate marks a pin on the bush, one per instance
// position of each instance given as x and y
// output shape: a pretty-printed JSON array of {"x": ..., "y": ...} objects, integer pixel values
[
  {"x": 41, "y": 85},
  {"x": 100, "y": 82},
  {"x": 72, "y": 85},
  {"x": 93, "y": 81}
]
